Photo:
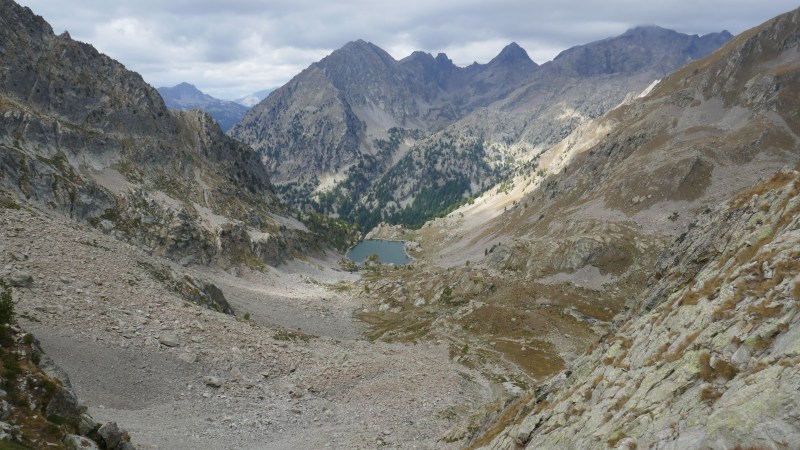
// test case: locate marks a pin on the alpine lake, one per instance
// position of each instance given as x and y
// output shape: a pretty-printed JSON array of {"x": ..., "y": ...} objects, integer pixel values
[{"x": 387, "y": 252}]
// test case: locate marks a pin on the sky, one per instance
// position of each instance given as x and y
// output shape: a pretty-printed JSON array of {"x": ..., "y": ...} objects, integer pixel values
[{"x": 232, "y": 48}]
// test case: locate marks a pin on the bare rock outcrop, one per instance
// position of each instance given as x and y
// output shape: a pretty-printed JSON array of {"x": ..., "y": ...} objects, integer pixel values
[
  {"x": 706, "y": 356},
  {"x": 81, "y": 134}
]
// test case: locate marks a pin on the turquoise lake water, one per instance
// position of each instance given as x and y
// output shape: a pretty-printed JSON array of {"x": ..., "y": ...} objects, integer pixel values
[{"x": 389, "y": 252}]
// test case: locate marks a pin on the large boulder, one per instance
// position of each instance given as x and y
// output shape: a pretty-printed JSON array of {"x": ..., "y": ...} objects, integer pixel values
[
  {"x": 19, "y": 279},
  {"x": 64, "y": 406},
  {"x": 114, "y": 437}
]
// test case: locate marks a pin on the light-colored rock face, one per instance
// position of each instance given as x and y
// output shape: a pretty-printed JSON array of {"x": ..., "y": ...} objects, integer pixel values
[{"x": 708, "y": 355}]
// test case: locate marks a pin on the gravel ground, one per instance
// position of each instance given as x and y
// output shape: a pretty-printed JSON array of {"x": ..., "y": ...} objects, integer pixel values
[{"x": 105, "y": 320}]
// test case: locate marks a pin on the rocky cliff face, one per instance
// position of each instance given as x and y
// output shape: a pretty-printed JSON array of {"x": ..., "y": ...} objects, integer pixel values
[
  {"x": 185, "y": 96},
  {"x": 706, "y": 357},
  {"x": 703, "y": 354},
  {"x": 83, "y": 135},
  {"x": 338, "y": 138}
]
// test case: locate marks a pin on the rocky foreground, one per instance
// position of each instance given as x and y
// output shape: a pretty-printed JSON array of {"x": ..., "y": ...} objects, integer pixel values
[
  {"x": 707, "y": 357},
  {"x": 177, "y": 375}
]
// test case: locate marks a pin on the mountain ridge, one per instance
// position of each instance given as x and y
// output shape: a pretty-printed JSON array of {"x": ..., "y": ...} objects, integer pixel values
[
  {"x": 83, "y": 135},
  {"x": 185, "y": 96},
  {"x": 383, "y": 109}
]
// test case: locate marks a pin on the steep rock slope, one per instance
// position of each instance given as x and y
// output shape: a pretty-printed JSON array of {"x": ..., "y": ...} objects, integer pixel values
[
  {"x": 707, "y": 356},
  {"x": 704, "y": 357},
  {"x": 345, "y": 128},
  {"x": 565, "y": 243},
  {"x": 83, "y": 135},
  {"x": 185, "y": 96}
]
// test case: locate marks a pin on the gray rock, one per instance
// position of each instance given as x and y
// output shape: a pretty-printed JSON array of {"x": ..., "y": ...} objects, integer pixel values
[
  {"x": 65, "y": 405},
  {"x": 186, "y": 261},
  {"x": 523, "y": 436},
  {"x": 8, "y": 431},
  {"x": 741, "y": 356},
  {"x": 188, "y": 357},
  {"x": 19, "y": 279},
  {"x": 86, "y": 424},
  {"x": 769, "y": 273},
  {"x": 106, "y": 225},
  {"x": 213, "y": 381},
  {"x": 53, "y": 370},
  {"x": 112, "y": 435},
  {"x": 75, "y": 442},
  {"x": 169, "y": 340},
  {"x": 204, "y": 293},
  {"x": 17, "y": 256}
]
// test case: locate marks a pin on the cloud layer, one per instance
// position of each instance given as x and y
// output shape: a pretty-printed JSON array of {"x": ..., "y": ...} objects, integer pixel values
[{"x": 235, "y": 47}]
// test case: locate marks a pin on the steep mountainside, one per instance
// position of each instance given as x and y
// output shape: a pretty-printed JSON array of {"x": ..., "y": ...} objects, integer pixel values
[
  {"x": 185, "y": 96},
  {"x": 83, "y": 135},
  {"x": 707, "y": 356},
  {"x": 366, "y": 137},
  {"x": 533, "y": 271}
]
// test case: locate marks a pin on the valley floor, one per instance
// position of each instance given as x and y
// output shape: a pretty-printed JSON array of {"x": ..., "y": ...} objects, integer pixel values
[{"x": 298, "y": 374}]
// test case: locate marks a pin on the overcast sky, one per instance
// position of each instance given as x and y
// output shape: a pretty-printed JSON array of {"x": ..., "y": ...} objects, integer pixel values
[{"x": 234, "y": 47}]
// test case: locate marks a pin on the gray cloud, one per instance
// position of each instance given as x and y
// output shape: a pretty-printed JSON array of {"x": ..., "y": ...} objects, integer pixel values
[{"x": 231, "y": 48}]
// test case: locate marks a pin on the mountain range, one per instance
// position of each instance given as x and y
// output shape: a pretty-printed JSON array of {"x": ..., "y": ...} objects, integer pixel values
[
  {"x": 365, "y": 137},
  {"x": 605, "y": 250}
]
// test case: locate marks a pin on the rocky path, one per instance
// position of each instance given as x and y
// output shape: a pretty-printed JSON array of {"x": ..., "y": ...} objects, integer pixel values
[{"x": 141, "y": 355}]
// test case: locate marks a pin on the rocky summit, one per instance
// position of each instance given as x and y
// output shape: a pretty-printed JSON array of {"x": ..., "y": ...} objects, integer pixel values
[
  {"x": 604, "y": 250},
  {"x": 356, "y": 133}
]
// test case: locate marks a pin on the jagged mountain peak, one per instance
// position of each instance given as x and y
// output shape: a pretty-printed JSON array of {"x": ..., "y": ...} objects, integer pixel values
[
  {"x": 724, "y": 33},
  {"x": 442, "y": 58},
  {"x": 355, "y": 57},
  {"x": 330, "y": 120},
  {"x": 512, "y": 54},
  {"x": 184, "y": 86},
  {"x": 360, "y": 45},
  {"x": 22, "y": 14}
]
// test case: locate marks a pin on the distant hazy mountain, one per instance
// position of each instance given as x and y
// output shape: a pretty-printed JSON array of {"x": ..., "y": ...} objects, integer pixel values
[
  {"x": 185, "y": 96},
  {"x": 364, "y": 136},
  {"x": 253, "y": 99}
]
